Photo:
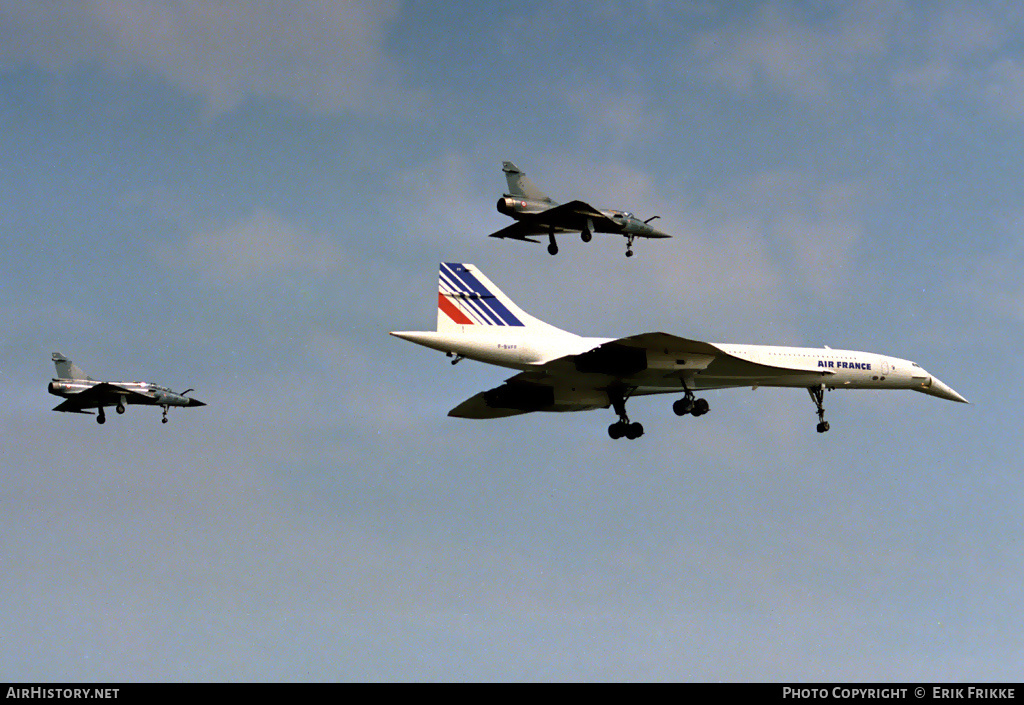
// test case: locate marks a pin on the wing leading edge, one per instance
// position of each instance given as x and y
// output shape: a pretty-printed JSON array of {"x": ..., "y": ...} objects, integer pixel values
[{"x": 650, "y": 360}]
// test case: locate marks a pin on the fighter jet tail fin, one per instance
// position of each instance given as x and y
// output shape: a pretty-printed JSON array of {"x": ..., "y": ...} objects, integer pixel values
[
  {"x": 67, "y": 369},
  {"x": 519, "y": 185},
  {"x": 465, "y": 297}
]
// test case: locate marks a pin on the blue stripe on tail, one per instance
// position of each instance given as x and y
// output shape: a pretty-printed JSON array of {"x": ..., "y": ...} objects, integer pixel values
[{"x": 488, "y": 302}]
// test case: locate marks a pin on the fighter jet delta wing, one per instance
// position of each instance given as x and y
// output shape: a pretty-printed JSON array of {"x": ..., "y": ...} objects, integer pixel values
[
  {"x": 570, "y": 217},
  {"x": 521, "y": 231},
  {"x": 102, "y": 393}
]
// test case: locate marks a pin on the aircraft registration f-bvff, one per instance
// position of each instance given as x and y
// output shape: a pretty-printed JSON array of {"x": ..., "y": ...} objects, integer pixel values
[{"x": 562, "y": 371}]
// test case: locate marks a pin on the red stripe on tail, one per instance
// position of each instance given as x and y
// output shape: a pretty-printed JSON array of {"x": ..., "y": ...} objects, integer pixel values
[{"x": 452, "y": 311}]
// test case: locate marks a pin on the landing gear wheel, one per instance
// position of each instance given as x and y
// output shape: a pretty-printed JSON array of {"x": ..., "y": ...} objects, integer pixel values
[
  {"x": 682, "y": 407},
  {"x": 822, "y": 426},
  {"x": 629, "y": 253},
  {"x": 700, "y": 407},
  {"x": 622, "y": 427},
  {"x": 634, "y": 430},
  {"x": 552, "y": 245},
  {"x": 163, "y": 420},
  {"x": 101, "y": 418},
  {"x": 586, "y": 236},
  {"x": 119, "y": 408}
]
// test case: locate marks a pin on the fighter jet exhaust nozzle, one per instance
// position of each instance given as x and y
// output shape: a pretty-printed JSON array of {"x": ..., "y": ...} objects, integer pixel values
[{"x": 507, "y": 206}]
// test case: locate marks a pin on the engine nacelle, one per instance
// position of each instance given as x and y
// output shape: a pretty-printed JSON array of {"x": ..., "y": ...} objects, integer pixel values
[
  {"x": 525, "y": 397},
  {"x": 613, "y": 359}
]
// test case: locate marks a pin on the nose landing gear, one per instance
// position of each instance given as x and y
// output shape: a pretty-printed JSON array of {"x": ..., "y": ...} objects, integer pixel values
[{"x": 818, "y": 397}]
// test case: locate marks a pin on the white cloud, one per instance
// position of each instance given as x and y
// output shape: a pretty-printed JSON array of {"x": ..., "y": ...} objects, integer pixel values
[
  {"x": 323, "y": 54},
  {"x": 797, "y": 56},
  {"x": 252, "y": 250},
  {"x": 915, "y": 51}
]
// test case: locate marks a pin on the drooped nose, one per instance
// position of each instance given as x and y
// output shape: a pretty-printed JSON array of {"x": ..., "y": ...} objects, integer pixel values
[{"x": 937, "y": 388}]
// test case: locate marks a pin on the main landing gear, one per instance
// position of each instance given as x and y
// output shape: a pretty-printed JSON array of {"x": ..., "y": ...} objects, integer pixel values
[
  {"x": 164, "y": 419},
  {"x": 586, "y": 235},
  {"x": 456, "y": 357},
  {"x": 818, "y": 397},
  {"x": 629, "y": 245},
  {"x": 100, "y": 416},
  {"x": 552, "y": 245},
  {"x": 623, "y": 427},
  {"x": 689, "y": 405}
]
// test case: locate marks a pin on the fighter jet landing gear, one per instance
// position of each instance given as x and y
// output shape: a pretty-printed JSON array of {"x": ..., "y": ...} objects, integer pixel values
[
  {"x": 818, "y": 397},
  {"x": 457, "y": 358},
  {"x": 629, "y": 245},
  {"x": 552, "y": 245},
  {"x": 164, "y": 419},
  {"x": 120, "y": 407},
  {"x": 101, "y": 417},
  {"x": 689, "y": 405},
  {"x": 623, "y": 427},
  {"x": 586, "y": 235}
]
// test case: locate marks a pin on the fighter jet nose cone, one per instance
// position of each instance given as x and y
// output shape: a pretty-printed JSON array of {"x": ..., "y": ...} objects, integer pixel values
[{"x": 196, "y": 402}]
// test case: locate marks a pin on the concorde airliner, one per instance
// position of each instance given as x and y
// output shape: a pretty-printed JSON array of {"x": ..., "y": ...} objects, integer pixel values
[{"x": 561, "y": 371}]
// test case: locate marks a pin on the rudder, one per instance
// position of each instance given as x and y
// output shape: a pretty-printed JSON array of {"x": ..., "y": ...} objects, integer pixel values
[
  {"x": 67, "y": 369},
  {"x": 519, "y": 185},
  {"x": 465, "y": 297}
]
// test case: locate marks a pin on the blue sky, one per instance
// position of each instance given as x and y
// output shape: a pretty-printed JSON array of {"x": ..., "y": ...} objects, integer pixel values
[{"x": 244, "y": 198}]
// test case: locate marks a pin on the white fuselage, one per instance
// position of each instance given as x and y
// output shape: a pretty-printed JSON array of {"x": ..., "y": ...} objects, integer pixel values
[{"x": 835, "y": 369}]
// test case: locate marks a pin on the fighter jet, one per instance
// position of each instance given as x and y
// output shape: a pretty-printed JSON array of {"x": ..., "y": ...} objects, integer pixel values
[
  {"x": 562, "y": 371},
  {"x": 83, "y": 392},
  {"x": 537, "y": 215}
]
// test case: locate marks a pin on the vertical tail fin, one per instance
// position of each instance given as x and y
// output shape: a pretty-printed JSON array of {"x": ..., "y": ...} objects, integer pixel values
[
  {"x": 519, "y": 185},
  {"x": 465, "y": 297},
  {"x": 67, "y": 369}
]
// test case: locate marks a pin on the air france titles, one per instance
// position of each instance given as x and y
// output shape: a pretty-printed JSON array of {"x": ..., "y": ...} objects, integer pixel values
[{"x": 842, "y": 364}]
